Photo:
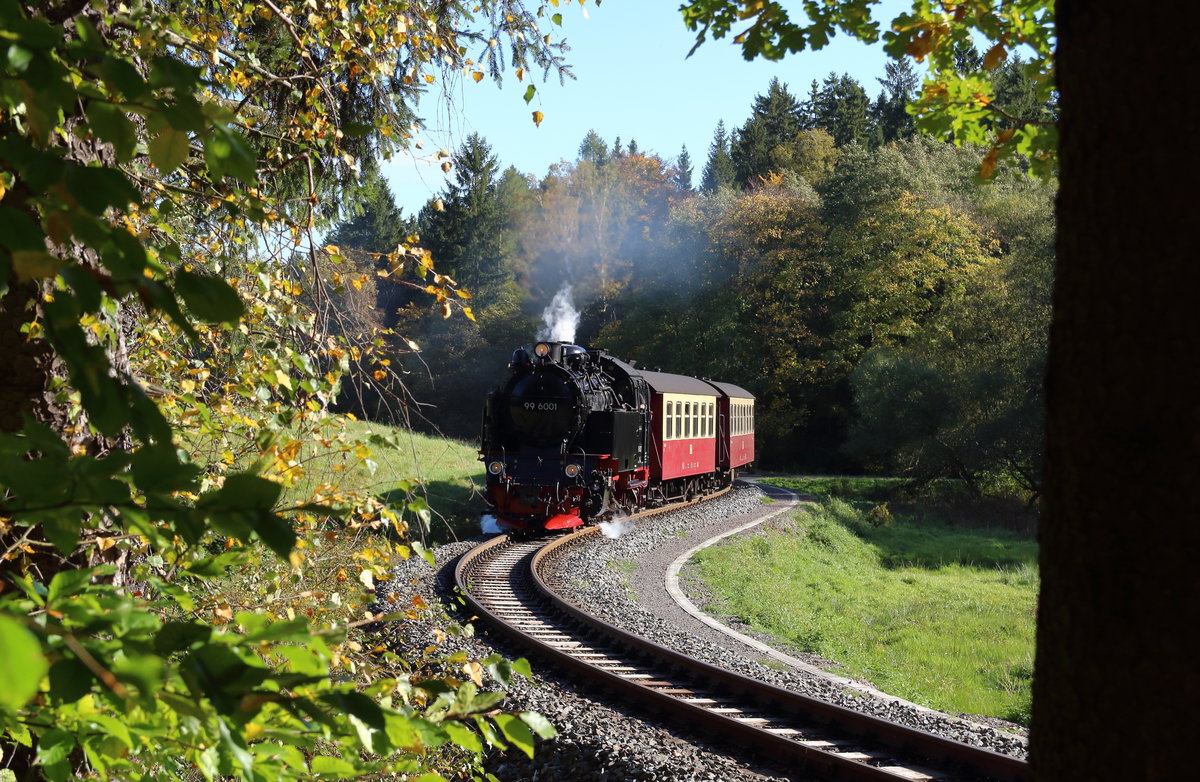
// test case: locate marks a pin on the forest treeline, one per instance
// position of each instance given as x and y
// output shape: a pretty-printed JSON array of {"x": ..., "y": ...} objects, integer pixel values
[{"x": 888, "y": 310}]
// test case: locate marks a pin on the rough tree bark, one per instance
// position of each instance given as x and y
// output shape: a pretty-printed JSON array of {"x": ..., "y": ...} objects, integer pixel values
[{"x": 1116, "y": 684}]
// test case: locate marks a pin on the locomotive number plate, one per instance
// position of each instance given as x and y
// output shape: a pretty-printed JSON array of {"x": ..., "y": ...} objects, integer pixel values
[{"x": 541, "y": 405}]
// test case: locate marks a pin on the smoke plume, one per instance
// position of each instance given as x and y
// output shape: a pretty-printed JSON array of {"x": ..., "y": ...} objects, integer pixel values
[
  {"x": 615, "y": 528},
  {"x": 488, "y": 524},
  {"x": 561, "y": 318}
]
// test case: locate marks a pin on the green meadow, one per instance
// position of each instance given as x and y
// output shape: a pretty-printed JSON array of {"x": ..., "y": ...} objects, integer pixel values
[{"x": 910, "y": 598}]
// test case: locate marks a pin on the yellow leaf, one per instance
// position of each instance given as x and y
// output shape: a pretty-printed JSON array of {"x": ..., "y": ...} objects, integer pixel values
[
  {"x": 470, "y": 315},
  {"x": 477, "y": 76},
  {"x": 537, "y": 118},
  {"x": 446, "y": 309},
  {"x": 446, "y": 167},
  {"x": 520, "y": 74},
  {"x": 463, "y": 294},
  {"x": 439, "y": 205},
  {"x": 429, "y": 78}
]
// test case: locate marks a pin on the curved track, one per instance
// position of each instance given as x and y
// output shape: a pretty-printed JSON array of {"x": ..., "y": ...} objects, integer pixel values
[{"x": 502, "y": 582}]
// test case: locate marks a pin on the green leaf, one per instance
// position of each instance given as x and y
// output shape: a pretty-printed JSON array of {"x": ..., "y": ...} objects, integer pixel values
[
  {"x": 333, "y": 768},
  {"x": 72, "y": 582},
  {"x": 121, "y": 74},
  {"x": 463, "y": 736},
  {"x": 539, "y": 724},
  {"x": 34, "y": 264},
  {"x": 54, "y": 748},
  {"x": 178, "y": 636},
  {"x": 400, "y": 731},
  {"x": 96, "y": 189},
  {"x": 19, "y": 58},
  {"x": 530, "y": 91},
  {"x": 63, "y": 528},
  {"x": 18, "y": 231},
  {"x": 110, "y": 123},
  {"x": 227, "y": 152},
  {"x": 22, "y": 666},
  {"x": 169, "y": 149},
  {"x": 210, "y": 298},
  {"x": 516, "y": 732},
  {"x": 213, "y": 567},
  {"x": 233, "y": 745}
]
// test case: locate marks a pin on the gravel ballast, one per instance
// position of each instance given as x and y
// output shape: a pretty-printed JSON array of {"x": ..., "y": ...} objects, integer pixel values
[{"x": 622, "y": 580}]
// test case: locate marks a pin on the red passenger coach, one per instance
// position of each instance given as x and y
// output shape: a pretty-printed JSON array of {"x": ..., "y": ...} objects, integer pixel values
[
  {"x": 683, "y": 432},
  {"x": 735, "y": 428}
]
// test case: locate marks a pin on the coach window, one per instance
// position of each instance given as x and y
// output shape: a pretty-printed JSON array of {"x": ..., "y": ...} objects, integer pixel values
[
  {"x": 712, "y": 410},
  {"x": 669, "y": 428}
]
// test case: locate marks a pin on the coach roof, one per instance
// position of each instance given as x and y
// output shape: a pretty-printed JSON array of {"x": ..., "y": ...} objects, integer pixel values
[
  {"x": 730, "y": 390},
  {"x": 664, "y": 383}
]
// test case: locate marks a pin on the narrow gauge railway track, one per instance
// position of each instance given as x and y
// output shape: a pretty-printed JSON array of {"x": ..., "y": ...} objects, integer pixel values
[{"x": 502, "y": 582}]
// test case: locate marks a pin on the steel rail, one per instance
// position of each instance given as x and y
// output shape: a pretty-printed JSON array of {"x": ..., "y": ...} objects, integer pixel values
[{"x": 502, "y": 577}]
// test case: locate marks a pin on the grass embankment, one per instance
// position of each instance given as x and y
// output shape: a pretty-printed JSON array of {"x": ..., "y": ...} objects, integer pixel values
[
  {"x": 446, "y": 472},
  {"x": 907, "y": 597}
]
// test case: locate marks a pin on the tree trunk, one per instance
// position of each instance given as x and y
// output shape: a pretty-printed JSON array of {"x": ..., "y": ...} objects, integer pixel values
[{"x": 1116, "y": 683}]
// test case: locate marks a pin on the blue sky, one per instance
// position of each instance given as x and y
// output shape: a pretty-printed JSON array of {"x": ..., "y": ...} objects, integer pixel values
[{"x": 634, "y": 80}]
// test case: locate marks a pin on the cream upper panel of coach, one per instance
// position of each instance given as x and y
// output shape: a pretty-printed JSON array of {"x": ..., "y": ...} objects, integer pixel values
[
  {"x": 741, "y": 417},
  {"x": 689, "y": 416}
]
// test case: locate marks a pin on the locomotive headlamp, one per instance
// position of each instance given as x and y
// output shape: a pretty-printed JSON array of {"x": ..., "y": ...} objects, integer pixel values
[
  {"x": 571, "y": 470},
  {"x": 541, "y": 350},
  {"x": 495, "y": 468}
]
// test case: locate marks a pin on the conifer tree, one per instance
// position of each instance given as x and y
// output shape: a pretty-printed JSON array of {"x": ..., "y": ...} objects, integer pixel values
[
  {"x": 593, "y": 149},
  {"x": 775, "y": 120},
  {"x": 718, "y": 171},
  {"x": 890, "y": 112},
  {"x": 843, "y": 110},
  {"x": 683, "y": 171}
]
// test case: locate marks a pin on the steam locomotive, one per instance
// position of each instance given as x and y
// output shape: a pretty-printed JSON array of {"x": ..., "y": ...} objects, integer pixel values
[{"x": 576, "y": 436}]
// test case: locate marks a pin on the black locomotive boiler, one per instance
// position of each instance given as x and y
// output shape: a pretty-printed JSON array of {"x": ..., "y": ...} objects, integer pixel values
[{"x": 576, "y": 435}]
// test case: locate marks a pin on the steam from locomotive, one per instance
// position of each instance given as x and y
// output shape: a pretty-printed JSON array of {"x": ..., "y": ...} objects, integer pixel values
[{"x": 575, "y": 436}]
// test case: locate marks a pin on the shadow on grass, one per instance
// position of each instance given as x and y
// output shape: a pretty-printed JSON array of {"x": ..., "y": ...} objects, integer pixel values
[
  {"x": 929, "y": 536},
  {"x": 456, "y": 506}
]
